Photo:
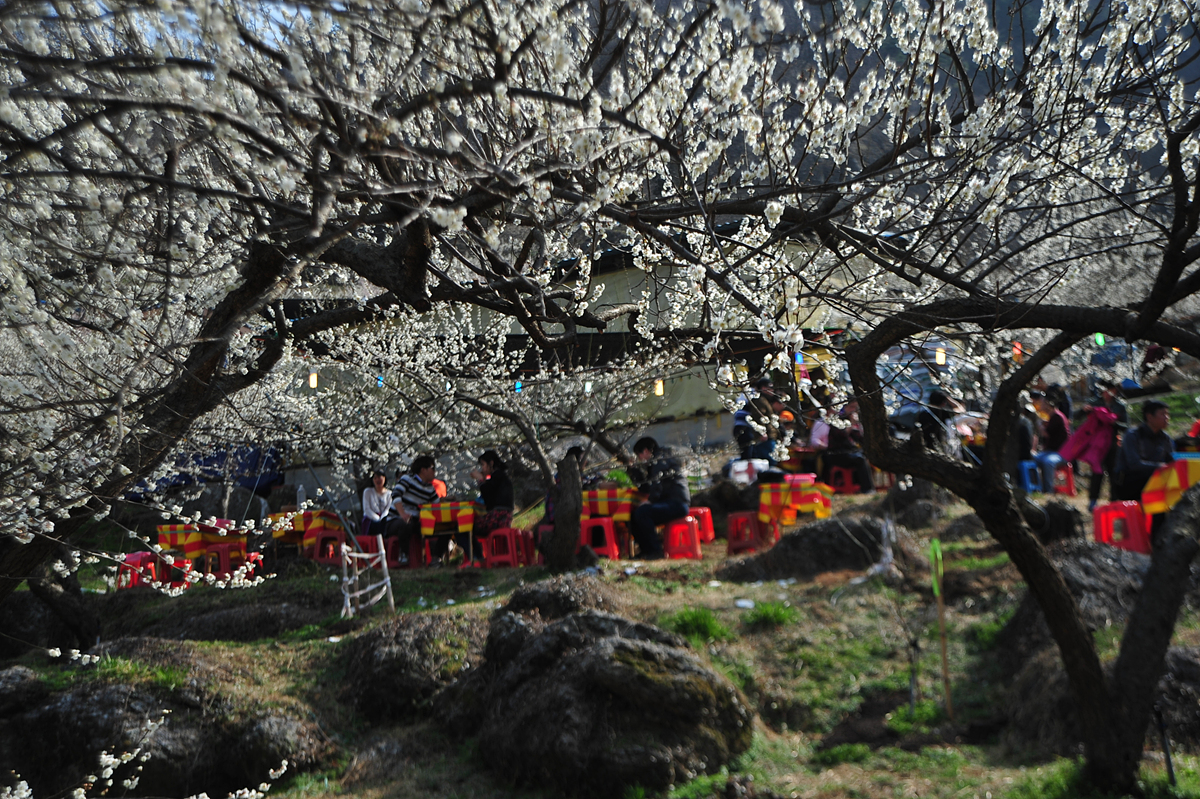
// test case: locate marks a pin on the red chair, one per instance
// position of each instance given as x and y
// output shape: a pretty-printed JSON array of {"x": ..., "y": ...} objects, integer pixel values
[
  {"x": 1064, "y": 479},
  {"x": 681, "y": 539},
  {"x": 138, "y": 568},
  {"x": 587, "y": 537},
  {"x": 502, "y": 548},
  {"x": 527, "y": 548},
  {"x": 220, "y": 559},
  {"x": 1121, "y": 524},
  {"x": 328, "y": 549},
  {"x": 742, "y": 532},
  {"x": 368, "y": 543},
  {"x": 419, "y": 554},
  {"x": 704, "y": 517},
  {"x": 842, "y": 480}
]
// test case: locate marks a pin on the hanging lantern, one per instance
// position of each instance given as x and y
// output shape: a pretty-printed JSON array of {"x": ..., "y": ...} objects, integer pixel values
[
  {"x": 1099, "y": 339},
  {"x": 939, "y": 356},
  {"x": 658, "y": 387},
  {"x": 312, "y": 379},
  {"x": 518, "y": 386},
  {"x": 587, "y": 388},
  {"x": 1018, "y": 352}
]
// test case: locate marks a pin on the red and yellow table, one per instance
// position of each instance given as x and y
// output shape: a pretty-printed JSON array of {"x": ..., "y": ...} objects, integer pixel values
[
  {"x": 302, "y": 528},
  {"x": 614, "y": 502},
  {"x": 1167, "y": 484},
  {"x": 774, "y": 499},
  {"x": 193, "y": 540},
  {"x": 448, "y": 514}
]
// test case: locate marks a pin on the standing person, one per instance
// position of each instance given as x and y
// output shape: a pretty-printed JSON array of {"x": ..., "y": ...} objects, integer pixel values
[
  {"x": 413, "y": 490},
  {"x": 1144, "y": 450},
  {"x": 1111, "y": 402},
  {"x": 376, "y": 503},
  {"x": 496, "y": 490},
  {"x": 669, "y": 497}
]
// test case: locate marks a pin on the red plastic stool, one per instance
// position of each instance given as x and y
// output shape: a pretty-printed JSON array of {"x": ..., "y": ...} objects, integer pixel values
[
  {"x": 1065, "y": 485},
  {"x": 704, "y": 517},
  {"x": 1121, "y": 524},
  {"x": 328, "y": 549},
  {"x": 768, "y": 534},
  {"x": 501, "y": 548},
  {"x": 842, "y": 480},
  {"x": 419, "y": 554},
  {"x": 681, "y": 539},
  {"x": 527, "y": 548},
  {"x": 138, "y": 568},
  {"x": 368, "y": 544},
  {"x": 742, "y": 532},
  {"x": 587, "y": 537},
  {"x": 219, "y": 558}
]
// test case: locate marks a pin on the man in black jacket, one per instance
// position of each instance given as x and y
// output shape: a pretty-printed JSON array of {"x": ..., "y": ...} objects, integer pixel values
[
  {"x": 669, "y": 498},
  {"x": 1143, "y": 451}
]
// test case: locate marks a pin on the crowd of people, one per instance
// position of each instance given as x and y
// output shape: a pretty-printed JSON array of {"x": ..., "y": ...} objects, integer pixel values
[
  {"x": 1046, "y": 432},
  {"x": 662, "y": 491}
]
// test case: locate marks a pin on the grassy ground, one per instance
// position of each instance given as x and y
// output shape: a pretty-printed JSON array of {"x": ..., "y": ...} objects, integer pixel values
[{"x": 807, "y": 654}]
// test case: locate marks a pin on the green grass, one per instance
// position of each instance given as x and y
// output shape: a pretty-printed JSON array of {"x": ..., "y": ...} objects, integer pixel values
[
  {"x": 112, "y": 670},
  {"x": 921, "y": 718},
  {"x": 770, "y": 615},
  {"x": 843, "y": 753},
  {"x": 977, "y": 564},
  {"x": 698, "y": 625},
  {"x": 982, "y": 636},
  {"x": 1063, "y": 779}
]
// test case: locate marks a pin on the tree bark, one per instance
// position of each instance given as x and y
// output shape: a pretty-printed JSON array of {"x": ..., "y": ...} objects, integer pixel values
[{"x": 568, "y": 502}]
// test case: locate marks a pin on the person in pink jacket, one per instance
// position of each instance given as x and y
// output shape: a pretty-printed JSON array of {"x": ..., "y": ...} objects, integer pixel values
[{"x": 1095, "y": 442}]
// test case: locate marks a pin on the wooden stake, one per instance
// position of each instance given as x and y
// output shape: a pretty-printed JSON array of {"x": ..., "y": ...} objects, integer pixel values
[{"x": 935, "y": 567}]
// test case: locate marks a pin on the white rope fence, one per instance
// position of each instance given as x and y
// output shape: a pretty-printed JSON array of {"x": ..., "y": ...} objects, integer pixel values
[{"x": 357, "y": 567}]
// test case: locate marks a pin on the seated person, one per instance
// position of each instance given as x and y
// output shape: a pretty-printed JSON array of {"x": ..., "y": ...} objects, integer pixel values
[
  {"x": 844, "y": 450},
  {"x": 496, "y": 490},
  {"x": 376, "y": 504},
  {"x": 413, "y": 490},
  {"x": 668, "y": 496},
  {"x": 1144, "y": 451},
  {"x": 1053, "y": 432},
  {"x": 755, "y": 426},
  {"x": 933, "y": 424}
]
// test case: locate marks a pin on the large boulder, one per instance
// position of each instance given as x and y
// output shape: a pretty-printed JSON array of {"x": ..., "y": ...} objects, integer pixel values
[
  {"x": 563, "y": 595},
  {"x": 28, "y": 623},
  {"x": 1044, "y": 721},
  {"x": 593, "y": 704},
  {"x": 854, "y": 542},
  {"x": 395, "y": 669},
  {"x": 208, "y": 741},
  {"x": 1105, "y": 581}
]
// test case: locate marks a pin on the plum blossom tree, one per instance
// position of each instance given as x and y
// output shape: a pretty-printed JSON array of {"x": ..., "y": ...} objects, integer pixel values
[{"x": 172, "y": 173}]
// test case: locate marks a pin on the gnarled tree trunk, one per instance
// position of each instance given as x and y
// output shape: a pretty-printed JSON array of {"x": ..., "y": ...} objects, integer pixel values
[{"x": 568, "y": 502}]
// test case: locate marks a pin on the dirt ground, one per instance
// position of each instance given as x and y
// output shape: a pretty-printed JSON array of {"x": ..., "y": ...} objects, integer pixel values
[{"x": 828, "y": 663}]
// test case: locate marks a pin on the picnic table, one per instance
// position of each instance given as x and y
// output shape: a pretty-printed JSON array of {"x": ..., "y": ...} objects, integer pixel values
[
  {"x": 774, "y": 499},
  {"x": 438, "y": 518},
  {"x": 303, "y": 528},
  {"x": 193, "y": 540},
  {"x": 1167, "y": 484},
  {"x": 614, "y": 502}
]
